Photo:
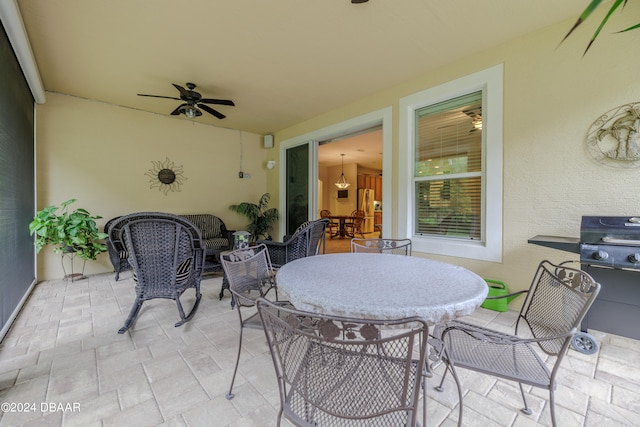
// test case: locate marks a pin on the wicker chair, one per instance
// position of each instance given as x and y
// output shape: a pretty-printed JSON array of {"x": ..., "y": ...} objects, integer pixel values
[
  {"x": 115, "y": 248},
  {"x": 167, "y": 257},
  {"x": 250, "y": 276},
  {"x": 556, "y": 303},
  {"x": 380, "y": 246},
  {"x": 306, "y": 241},
  {"x": 342, "y": 371}
]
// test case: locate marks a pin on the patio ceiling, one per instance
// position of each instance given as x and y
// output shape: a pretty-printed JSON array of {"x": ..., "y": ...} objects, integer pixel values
[{"x": 280, "y": 61}]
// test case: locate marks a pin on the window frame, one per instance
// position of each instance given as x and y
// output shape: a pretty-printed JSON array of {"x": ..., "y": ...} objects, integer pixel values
[{"x": 489, "y": 247}]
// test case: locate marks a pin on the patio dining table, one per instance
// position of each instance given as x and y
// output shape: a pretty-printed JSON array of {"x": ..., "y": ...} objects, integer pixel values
[{"x": 381, "y": 286}]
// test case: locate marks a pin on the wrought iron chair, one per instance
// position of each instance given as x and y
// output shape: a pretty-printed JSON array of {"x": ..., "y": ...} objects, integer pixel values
[
  {"x": 167, "y": 257},
  {"x": 306, "y": 241},
  {"x": 382, "y": 246},
  {"x": 353, "y": 225},
  {"x": 342, "y": 371},
  {"x": 250, "y": 276},
  {"x": 556, "y": 303}
]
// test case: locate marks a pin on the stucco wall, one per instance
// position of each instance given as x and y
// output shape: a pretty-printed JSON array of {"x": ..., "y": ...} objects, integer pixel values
[
  {"x": 99, "y": 154},
  {"x": 552, "y": 95}
]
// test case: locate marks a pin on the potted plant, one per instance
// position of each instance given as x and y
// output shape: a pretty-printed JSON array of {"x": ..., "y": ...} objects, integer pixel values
[
  {"x": 69, "y": 232},
  {"x": 262, "y": 218}
]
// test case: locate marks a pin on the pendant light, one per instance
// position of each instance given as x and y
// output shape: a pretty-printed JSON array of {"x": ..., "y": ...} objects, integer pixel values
[{"x": 342, "y": 181}]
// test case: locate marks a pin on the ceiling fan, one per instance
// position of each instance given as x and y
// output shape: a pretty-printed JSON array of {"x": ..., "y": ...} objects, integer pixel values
[
  {"x": 192, "y": 101},
  {"x": 476, "y": 118}
]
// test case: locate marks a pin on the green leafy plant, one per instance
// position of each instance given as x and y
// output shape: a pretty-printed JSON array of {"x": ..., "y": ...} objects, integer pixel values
[
  {"x": 262, "y": 218},
  {"x": 589, "y": 10},
  {"x": 74, "y": 231}
]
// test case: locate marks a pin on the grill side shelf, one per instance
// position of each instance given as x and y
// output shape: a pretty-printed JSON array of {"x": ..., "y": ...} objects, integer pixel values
[{"x": 568, "y": 244}]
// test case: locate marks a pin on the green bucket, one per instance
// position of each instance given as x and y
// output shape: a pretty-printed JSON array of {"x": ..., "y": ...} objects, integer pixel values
[{"x": 497, "y": 289}]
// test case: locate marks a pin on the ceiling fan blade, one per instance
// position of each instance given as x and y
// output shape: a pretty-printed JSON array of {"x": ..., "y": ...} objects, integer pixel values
[
  {"x": 177, "y": 110},
  {"x": 159, "y": 96},
  {"x": 218, "y": 101},
  {"x": 183, "y": 92},
  {"x": 212, "y": 111}
]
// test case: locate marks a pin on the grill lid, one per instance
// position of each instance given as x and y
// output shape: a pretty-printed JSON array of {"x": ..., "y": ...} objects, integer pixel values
[{"x": 614, "y": 230}]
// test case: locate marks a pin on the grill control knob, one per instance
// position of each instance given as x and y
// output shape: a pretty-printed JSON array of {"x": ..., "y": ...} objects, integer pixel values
[
  {"x": 600, "y": 255},
  {"x": 634, "y": 258}
]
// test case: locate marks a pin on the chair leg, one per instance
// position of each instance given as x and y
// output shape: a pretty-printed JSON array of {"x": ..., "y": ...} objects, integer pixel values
[
  {"x": 552, "y": 407},
  {"x": 439, "y": 386},
  {"x": 459, "y": 386},
  {"x": 230, "y": 395},
  {"x": 526, "y": 410},
  {"x": 279, "y": 417},
  {"x": 133, "y": 315},
  {"x": 191, "y": 313}
]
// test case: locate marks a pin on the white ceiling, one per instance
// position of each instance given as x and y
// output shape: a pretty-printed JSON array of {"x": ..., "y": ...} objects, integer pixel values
[{"x": 281, "y": 61}]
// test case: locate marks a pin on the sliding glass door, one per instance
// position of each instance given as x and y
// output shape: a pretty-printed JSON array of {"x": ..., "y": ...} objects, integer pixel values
[{"x": 297, "y": 187}]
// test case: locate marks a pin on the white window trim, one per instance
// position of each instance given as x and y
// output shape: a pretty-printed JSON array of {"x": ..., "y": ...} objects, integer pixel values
[{"x": 489, "y": 248}]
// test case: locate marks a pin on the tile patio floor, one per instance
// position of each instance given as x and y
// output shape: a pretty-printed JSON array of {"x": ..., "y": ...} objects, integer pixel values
[{"x": 63, "y": 355}]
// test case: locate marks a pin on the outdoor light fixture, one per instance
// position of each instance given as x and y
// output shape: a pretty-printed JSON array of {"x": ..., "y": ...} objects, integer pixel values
[{"x": 342, "y": 181}]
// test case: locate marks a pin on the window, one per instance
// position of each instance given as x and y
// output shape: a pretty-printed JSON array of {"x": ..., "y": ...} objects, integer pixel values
[{"x": 452, "y": 154}]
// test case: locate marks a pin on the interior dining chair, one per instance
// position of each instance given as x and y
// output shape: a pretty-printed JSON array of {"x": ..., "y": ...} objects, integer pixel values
[
  {"x": 556, "y": 303},
  {"x": 166, "y": 254},
  {"x": 353, "y": 224},
  {"x": 250, "y": 276},
  {"x": 345, "y": 371},
  {"x": 381, "y": 246},
  {"x": 332, "y": 226}
]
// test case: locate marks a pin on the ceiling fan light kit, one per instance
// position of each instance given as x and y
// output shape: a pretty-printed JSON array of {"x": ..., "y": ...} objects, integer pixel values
[
  {"x": 190, "y": 111},
  {"x": 193, "y": 102}
]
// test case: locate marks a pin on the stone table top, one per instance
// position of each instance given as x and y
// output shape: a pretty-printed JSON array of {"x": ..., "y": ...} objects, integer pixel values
[{"x": 381, "y": 286}]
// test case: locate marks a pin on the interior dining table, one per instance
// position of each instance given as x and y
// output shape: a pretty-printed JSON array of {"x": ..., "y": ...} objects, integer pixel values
[
  {"x": 342, "y": 225},
  {"x": 381, "y": 286}
]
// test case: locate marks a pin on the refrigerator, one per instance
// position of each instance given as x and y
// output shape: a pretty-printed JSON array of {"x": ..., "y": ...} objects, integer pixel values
[{"x": 366, "y": 204}]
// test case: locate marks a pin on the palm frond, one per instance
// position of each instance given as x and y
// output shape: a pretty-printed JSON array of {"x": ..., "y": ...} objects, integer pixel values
[{"x": 593, "y": 5}]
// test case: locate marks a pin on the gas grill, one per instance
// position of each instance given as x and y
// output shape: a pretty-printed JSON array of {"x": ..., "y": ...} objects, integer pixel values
[
  {"x": 610, "y": 252},
  {"x": 609, "y": 249}
]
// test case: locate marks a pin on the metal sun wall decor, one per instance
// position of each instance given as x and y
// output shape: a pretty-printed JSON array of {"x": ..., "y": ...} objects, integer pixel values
[
  {"x": 165, "y": 176},
  {"x": 614, "y": 138}
]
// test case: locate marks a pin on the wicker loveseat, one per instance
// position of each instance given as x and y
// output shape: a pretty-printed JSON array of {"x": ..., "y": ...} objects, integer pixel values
[{"x": 215, "y": 238}]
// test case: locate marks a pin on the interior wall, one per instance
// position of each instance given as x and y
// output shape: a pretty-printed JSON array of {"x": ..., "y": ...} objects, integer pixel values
[
  {"x": 342, "y": 206},
  {"x": 552, "y": 95},
  {"x": 100, "y": 154}
]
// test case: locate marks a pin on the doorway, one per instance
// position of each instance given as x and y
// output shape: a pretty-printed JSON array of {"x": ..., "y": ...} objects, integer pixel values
[
  {"x": 357, "y": 156},
  {"x": 321, "y": 188}
]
